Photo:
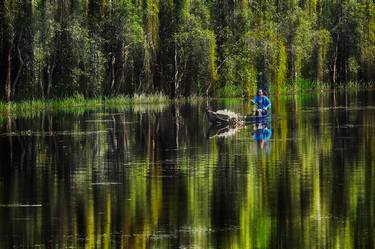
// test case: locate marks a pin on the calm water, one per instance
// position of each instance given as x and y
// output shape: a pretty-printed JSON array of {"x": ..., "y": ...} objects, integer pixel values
[{"x": 158, "y": 177}]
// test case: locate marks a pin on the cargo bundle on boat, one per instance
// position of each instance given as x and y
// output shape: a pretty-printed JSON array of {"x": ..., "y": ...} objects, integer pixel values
[{"x": 225, "y": 117}]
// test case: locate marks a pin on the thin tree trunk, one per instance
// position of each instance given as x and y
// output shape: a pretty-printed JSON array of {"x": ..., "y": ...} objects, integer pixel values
[
  {"x": 176, "y": 75},
  {"x": 7, "y": 68},
  {"x": 122, "y": 79},
  {"x": 50, "y": 71},
  {"x": 334, "y": 69},
  {"x": 49, "y": 80},
  {"x": 179, "y": 72},
  {"x": 113, "y": 76},
  {"x": 18, "y": 73},
  {"x": 6, "y": 31},
  {"x": 334, "y": 73}
]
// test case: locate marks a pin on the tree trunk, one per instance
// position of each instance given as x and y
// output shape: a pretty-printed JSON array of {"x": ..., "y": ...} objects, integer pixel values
[
  {"x": 7, "y": 48},
  {"x": 49, "y": 80},
  {"x": 7, "y": 68},
  {"x": 176, "y": 75},
  {"x": 179, "y": 67},
  {"x": 50, "y": 71},
  {"x": 334, "y": 71},
  {"x": 113, "y": 76},
  {"x": 21, "y": 63}
]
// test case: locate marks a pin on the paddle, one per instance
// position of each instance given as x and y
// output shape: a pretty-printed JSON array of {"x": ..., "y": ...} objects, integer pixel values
[{"x": 255, "y": 103}]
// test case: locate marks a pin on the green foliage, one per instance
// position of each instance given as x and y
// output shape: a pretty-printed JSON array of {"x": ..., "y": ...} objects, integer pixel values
[
  {"x": 281, "y": 67},
  {"x": 78, "y": 101},
  {"x": 353, "y": 67},
  {"x": 183, "y": 47},
  {"x": 196, "y": 48},
  {"x": 230, "y": 90},
  {"x": 87, "y": 76},
  {"x": 322, "y": 43}
]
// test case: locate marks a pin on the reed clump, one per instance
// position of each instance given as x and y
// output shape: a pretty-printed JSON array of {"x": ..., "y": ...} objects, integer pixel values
[{"x": 29, "y": 107}]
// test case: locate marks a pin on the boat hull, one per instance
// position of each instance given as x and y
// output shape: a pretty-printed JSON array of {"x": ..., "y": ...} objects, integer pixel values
[
  {"x": 221, "y": 119},
  {"x": 257, "y": 119}
]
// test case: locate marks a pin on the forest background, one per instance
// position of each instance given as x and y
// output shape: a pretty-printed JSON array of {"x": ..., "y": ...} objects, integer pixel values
[{"x": 94, "y": 48}]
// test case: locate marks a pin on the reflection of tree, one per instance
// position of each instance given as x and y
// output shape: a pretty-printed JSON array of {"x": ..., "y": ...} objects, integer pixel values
[{"x": 314, "y": 190}]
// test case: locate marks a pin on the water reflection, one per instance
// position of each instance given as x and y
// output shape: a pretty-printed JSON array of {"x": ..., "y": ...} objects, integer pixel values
[
  {"x": 223, "y": 131},
  {"x": 262, "y": 133},
  {"x": 152, "y": 178}
]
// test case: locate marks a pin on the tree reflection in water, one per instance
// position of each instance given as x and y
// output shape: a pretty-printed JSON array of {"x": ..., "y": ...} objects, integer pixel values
[{"x": 146, "y": 178}]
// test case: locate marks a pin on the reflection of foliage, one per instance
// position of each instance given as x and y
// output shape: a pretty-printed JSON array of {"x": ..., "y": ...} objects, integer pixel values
[{"x": 312, "y": 190}]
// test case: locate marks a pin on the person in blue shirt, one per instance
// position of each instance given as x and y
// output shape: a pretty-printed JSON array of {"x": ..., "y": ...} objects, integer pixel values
[{"x": 262, "y": 102}]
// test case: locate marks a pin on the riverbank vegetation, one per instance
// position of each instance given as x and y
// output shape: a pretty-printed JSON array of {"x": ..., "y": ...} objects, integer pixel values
[
  {"x": 305, "y": 85},
  {"x": 59, "y": 49},
  {"x": 80, "y": 102}
]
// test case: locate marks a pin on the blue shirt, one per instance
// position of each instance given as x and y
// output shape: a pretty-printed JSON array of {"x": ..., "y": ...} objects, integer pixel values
[{"x": 262, "y": 102}]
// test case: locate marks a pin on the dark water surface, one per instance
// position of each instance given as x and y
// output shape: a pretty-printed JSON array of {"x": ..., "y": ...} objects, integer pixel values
[{"x": 157, "y": 177}]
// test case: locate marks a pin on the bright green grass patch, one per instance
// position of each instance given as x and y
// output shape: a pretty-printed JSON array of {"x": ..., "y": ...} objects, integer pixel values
[
  {"x": 78, "y": 104},
  {"x": 355, "y": 85},
  {"x": 306, "y": 85},
  {"x": 303, "y": 85}
]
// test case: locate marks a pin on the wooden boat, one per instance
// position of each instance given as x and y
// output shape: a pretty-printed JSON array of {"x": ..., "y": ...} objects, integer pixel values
[
  {"x": 216, "y": 118},
  {"x": 249, "y": 119}
]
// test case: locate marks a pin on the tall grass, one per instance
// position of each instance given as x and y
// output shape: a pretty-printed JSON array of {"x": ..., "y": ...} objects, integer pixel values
[
  {"x": 305, "y": 85},
  {"x": 79, "y": 103},
  {"x": 150, "y": 99},
  {"x": 355, "y": 85},
  {"x": 28, "y": 107}
]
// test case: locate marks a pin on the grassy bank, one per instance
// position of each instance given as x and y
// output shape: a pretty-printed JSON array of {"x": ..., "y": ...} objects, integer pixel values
[
  {"x": 79, "y": 103},
  {"x": 305, "y": 85},
  {"x": 301, "y": 85},
  {"x": 32, "y": 106}
]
